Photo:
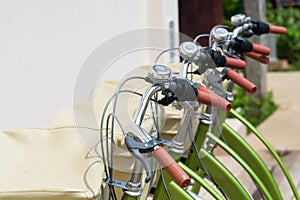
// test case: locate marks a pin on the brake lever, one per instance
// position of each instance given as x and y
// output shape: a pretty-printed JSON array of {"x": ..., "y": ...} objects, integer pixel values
[
  {"x": 136, "y": 148},
  {"x": 214, "y": 82}
]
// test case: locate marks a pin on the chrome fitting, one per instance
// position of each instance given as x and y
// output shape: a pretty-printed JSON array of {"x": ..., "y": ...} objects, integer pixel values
[{"x": 133, "y": 189}]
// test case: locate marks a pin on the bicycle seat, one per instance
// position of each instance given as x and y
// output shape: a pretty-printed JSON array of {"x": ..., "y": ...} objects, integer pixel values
[{"x": 42, "y": 163}]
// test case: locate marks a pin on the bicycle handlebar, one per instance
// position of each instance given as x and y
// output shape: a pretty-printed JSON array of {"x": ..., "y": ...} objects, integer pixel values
[
  {"x": 184, "y": 91},
  {"x": 239, "y": 80},
  {"x": 257, "y": 27},
  {"x": 171, "y": 166},
  {"x": 235, "y": 63},
  {"x": 277, "y": 29},
  {"x": 260, "y": 27},
  {"x": 210, "y": 98},
  {"x": 258, "y": 57},
  {"x": 192, "y": 53},
  {"x": 242, "y": 45},
  {"x": 221, "y": 61},
  {"x": 256, "y": 48}
]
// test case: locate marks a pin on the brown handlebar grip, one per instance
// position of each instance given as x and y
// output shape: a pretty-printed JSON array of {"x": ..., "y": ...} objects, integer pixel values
[
  {"x": 203, "y": 89},
  {"x": 210, "y": 98},
  {"x": 241, "y": 81},
  {"x": 235, "y": 63},
  {"x": 261, "y": 49},
  {"x": 277, "y": 29},
  {"x": 171, "y": 167},
  {"x": 258, "y": 57}
]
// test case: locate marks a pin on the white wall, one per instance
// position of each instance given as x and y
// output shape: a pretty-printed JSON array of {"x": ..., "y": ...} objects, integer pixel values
[{"x": 43, "y": 44}]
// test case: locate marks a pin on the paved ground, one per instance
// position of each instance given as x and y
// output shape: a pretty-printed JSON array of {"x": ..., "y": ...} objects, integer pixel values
[{"x": 282, "y": 129}]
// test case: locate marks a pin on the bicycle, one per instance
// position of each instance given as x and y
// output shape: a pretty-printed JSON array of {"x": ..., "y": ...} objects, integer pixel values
[
  {"x": 267, "y": 175},
  {"x": 244, "y": 26},
  {"x": 262, "y": 59},
  {"x": 241, "y": 144},
  {"x": 241, "y": 189}
]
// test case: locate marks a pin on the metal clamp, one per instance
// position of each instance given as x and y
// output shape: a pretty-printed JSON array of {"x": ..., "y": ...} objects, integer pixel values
[{"x": 115, "y": 183}]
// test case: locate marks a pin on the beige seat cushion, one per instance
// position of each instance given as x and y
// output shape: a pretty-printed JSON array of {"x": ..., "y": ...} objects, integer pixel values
[{"x": 47, "y": 163}]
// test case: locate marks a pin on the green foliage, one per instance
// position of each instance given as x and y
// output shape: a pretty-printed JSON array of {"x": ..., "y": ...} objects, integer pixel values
[
  {"x": 296, "y": 66},
  {"x": 230, "y": 8},
  {"x": 288, "y": 46},
  {"x": 252, "y": 108}
]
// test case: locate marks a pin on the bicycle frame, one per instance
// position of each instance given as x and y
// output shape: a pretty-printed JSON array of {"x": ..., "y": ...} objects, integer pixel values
[
  {"x": 218, "y": 171},
  {"x": 243, "y": 23},
  {"x": 242, "y": 150},
  {"x": 237, "y": 143},
  {"x": 178, "y": 192},
  {"x": 270, "y": 148}
]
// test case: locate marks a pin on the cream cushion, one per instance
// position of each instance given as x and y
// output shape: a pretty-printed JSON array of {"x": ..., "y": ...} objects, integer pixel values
[{"x": 41, "y": 163}]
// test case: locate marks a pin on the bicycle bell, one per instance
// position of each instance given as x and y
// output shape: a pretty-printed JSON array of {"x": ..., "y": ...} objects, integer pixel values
[
  {"x": 220, "y": 33},
  {"x": 239, "y": 19},
  {"x": 160, "y": 73},
  {"x": 188, "y": 50}
]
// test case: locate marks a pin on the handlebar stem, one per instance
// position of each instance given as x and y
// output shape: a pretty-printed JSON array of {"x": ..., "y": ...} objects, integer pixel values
[
  {"x": 133, "y": 186},
  {"x": 184, "y": 69},
  {"x": 139, "y": 115},
  {"x": 237, "y": 31},
  {"x": 178, "y": 141}
]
